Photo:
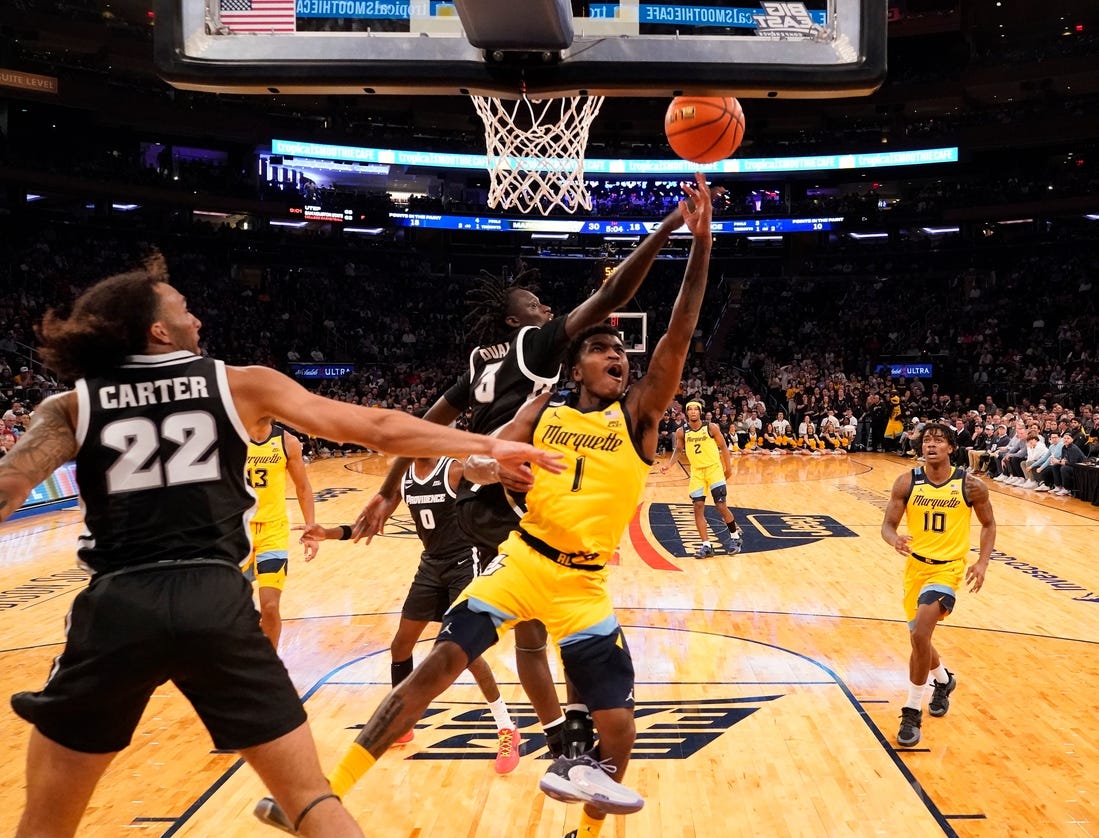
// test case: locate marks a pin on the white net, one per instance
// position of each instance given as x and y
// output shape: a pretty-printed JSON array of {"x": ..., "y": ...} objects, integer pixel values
[{"x": 536, "y": 151}]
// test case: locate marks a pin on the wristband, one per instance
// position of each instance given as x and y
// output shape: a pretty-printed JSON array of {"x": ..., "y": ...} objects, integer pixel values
[{"x": 345, "y": 532}]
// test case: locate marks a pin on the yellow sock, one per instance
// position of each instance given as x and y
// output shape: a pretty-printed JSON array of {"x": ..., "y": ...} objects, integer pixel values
[
  {"x": 356, "y": 762},
  {"x": 589, "y": 826}
]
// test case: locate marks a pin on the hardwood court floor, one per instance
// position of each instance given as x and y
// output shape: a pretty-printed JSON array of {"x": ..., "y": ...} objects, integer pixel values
[{"x": 769, "y": 683}]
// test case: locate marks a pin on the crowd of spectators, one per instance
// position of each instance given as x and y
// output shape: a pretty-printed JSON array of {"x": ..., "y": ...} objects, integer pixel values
[{"x": 815, "y": 346}]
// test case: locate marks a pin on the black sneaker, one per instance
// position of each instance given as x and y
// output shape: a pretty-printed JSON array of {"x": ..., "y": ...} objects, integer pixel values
[
  {"x": 267, "y": 811},
  {"x": 578, "y": 733},
  {"x": 940, "y": 699},
  {"x": 909, "y": 733}
]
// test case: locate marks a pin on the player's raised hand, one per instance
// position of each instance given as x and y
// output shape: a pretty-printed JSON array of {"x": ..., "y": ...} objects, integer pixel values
[{"x": 696, "y": 208}]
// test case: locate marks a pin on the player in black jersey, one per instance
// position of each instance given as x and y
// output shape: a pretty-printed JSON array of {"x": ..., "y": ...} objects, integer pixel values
[
  {"x": 522, "y": 361},
  {"x": 447, "y": 565},
  {"x": 158, "y": 435}
]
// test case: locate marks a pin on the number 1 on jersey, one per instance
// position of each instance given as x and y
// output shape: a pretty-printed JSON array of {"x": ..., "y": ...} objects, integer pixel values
[{"x": 578, "y": 474}]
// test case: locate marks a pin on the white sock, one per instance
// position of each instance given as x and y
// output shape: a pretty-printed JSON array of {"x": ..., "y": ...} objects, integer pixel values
[
  {"x": 940, "y": 674},
  {"x": 500, "y": 713},
  {"x": 916, "y": 693},
  {"x": 706, "y": 544}
]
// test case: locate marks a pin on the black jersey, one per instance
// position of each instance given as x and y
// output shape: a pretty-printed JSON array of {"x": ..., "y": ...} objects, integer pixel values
[
  {"x": 160, "y": 464},
  {"x": 431, "y": 502},
  {"x": 503, "y": 376},
  {"x": 500, "y": 379}
]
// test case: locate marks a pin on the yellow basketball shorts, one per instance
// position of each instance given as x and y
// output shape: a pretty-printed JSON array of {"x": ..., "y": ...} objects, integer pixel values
[
  {"x": 920, "y": 577},
  {"x": 270, "y": 553},
  {"x": 705, "y": 479},
  {"x": 521, "y": 584}
]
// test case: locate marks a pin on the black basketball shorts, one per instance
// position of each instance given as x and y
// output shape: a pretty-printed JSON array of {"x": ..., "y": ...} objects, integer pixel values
[
  {"x": 486, "y": 519},
  {"x": 436, "y": 585},
  {"x": 192, "y": 624}
]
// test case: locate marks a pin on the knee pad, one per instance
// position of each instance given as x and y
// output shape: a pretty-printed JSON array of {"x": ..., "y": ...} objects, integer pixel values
[
  {"x": 719, "y": 493},
  {"x": 601, "y": 669},
  {"x": 473, "y": 631}
]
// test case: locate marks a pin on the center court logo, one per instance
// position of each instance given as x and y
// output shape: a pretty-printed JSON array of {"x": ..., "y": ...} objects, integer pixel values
[
  {"x": 665, "y": 729},
  {"x": 673, "y": 526}
]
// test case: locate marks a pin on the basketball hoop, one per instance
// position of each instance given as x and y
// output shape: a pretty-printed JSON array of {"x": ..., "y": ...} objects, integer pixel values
[{"x": 536, "y": 151}]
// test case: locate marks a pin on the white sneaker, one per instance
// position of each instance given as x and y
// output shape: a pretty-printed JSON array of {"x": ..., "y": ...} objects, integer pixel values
[
  {"x": 1042, "y": 487},
  {"x": 1030, "y": 484},
  {"x": 1000, "y": 478},
  {"x": 585, "y": 780}
]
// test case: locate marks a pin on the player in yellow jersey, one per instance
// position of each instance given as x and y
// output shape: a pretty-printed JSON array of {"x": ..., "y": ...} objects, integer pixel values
[
  {"x": 553, "y": 567},
  {"x": 711, "y": 466},
  {"x": 937, "y": 501},
  {"x": 272, "y": 455}
]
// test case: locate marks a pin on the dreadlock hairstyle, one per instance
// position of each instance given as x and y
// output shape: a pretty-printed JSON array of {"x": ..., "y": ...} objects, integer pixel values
[
  {"x": 490, "y": 302},
  {"x": 109, "y": 321}
]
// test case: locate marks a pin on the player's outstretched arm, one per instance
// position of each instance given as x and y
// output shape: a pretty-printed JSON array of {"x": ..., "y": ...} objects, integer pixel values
[
  {"x": 649, "y": 398},
  {"x": 379, "y": 508},
  {"x": 622, "y": 284},
  {"x": 261, "y": 391},
  {"x": 520, "y": 429}
]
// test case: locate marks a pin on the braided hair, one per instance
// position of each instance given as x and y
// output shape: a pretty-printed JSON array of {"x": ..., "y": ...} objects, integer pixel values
[{"x": 490, "y": 302}]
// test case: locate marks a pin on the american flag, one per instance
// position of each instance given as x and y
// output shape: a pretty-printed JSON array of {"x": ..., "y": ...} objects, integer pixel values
[{"x": 258, "y": 15}]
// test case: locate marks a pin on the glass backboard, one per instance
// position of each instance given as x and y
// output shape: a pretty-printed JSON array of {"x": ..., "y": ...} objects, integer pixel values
[{"x": 745, "y": 48}]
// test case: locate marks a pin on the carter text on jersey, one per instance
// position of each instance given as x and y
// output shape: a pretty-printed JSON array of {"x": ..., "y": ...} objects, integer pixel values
[{"x": 142, "y": 393}]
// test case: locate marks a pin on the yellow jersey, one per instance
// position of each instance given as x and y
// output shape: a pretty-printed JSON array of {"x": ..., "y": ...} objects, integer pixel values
[
  {"x": 701, "y": 449},
  {"x": 266, "y": 474},
  {"x": 586, "y": 508},
  {"x": 939, "y": 516}
]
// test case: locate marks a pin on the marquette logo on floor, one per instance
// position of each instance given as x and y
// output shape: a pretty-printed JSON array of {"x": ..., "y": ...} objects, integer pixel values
[
  {"x": 673, "y": 525},
  {"x": 665, "y": 729}
]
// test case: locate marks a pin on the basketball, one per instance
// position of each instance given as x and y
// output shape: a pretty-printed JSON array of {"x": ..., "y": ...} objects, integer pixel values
[{"x": 704, "y": 129}]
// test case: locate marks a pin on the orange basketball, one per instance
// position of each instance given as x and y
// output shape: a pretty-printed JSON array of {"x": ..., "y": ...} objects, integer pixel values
[{"x": 704, "y": 129}]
